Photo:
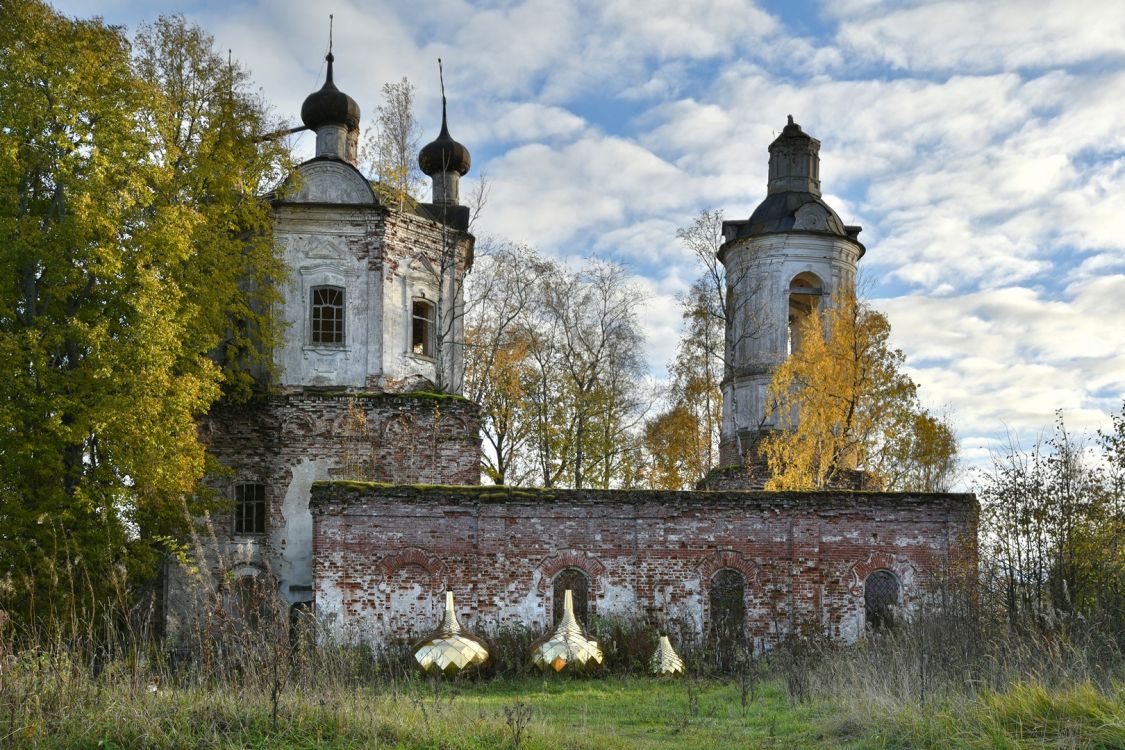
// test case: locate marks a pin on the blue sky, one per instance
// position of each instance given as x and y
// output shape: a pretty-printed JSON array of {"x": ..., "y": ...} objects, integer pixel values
[{"x": 980, "y": 145}]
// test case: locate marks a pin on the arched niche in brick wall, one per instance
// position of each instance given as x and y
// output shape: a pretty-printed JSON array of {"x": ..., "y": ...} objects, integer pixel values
[
  {"x": 721, "y": 560},
  {"x": 298, "y": 426},
  {"x": 412, "y": 580},
  {"x": 900, "y": 565},
  {"x": 434, "y": 567},
  {"x": 398, "y": 428},
  {"x": 587, "y": 564},
  {"x": 249, "y": 593}
]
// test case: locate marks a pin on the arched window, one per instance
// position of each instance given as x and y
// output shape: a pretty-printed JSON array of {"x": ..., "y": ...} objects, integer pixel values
[
  {"x": 250, "y": 599},
  {"x": 880, "y": 598},
  {"x": 423, "y": 330},
  {"x": 579, "y": 585},
  {"x": 728, "y": 616},
  {"x": 728, "y": 603},
  {"x": 805, "y": 291},
  {"x": 327, "y": 316},
  {"x": 249, "y": 508}
]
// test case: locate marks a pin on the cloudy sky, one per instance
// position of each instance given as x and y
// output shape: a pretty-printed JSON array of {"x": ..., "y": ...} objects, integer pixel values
[{"x": 980, "y": 144}]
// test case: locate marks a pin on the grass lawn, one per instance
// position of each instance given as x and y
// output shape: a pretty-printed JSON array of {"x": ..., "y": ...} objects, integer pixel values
[
  {"x": 680, "y": 714},
  {"x": 544, "y": 713}
]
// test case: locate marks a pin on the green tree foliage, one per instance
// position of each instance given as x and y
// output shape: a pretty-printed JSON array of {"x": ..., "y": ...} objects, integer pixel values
[
  {"x": 1053, "y": 531},
  {"x": 131, "y": 235},
  {"x": 843, "y": 402},
  {"x": 682, "y": 443}
]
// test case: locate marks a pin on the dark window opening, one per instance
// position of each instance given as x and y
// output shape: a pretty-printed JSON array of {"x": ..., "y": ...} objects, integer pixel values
[
  {"x": 579, "y": 585},
  {"x": 422, "y": 333},
  {"x": 880, "y": 598},
  {"x": 250, "y": 508},
  {"x": 804, "y": 299},
  {"x": 250, "y": 600},
  {"x": 327, "y": 316},
  {"x": 727, "y": 597}
]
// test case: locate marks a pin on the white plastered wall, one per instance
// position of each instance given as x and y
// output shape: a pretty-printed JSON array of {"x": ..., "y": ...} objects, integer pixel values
[{"x": 760, "y": 270}]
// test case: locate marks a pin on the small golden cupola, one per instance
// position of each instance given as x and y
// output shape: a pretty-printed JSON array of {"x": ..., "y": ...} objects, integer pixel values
[
  {"x": 568, "y": 645},
  {"x": 450, "y": 649}
]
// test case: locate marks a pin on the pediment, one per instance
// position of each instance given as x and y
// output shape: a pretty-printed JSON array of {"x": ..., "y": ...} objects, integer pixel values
[{"x": 331, "y": 181}]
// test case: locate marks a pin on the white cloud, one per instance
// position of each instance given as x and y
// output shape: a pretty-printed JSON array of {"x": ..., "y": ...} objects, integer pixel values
[
  {"x": 989, "y": 35},
  {"x": 979, "y": 143}
]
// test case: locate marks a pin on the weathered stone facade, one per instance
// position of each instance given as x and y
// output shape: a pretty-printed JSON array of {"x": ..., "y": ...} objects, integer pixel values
[
  {"x": 366, "y": 378},
  {"x": 384, "y": 555},
  {"x": 286, "y": 443}
]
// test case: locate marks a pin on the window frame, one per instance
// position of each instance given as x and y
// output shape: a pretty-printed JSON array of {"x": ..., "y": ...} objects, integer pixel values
[
  {"x": 429, "y": 329},
  {"x": 880, "y": 615},
  {"x": 318, "y": 322},
  {"x": 258, "y": 516}
]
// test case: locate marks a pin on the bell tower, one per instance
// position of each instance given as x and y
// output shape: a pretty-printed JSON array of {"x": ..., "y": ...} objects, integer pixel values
[{"x": 791, "y": 256}]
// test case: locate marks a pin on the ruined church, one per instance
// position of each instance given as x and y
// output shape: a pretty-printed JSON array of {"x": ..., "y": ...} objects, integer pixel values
[{"x": 367, "y": 383}]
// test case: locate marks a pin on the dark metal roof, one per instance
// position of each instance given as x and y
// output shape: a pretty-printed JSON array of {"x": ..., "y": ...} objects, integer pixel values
[
  {"x": 444, "y": 154},
  {"x": 329, "y": 105}
]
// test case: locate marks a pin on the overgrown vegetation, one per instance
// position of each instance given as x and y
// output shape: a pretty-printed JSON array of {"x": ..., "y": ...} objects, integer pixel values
[
  {"x": 947, "y": 680},
  {"x": 137, "y": 266}
]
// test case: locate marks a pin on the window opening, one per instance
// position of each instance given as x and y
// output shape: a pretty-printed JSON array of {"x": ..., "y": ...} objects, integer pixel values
[
  {"x": 579, "y": 585},
  {"x": 327, "y": 316},
  {"x": 728, "y": 615},
  {"x": 250, "y": 508},
  {"x": 880, "y": 598},
  {"x": 804, "y": 298},
  {"x": 422, "y": 336}
]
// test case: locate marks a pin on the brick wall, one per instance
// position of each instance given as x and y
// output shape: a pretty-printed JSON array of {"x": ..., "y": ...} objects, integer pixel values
[
  {"x": 390, "y": 437},
  {"x": 383, "y": 555},
  {"x": 286, "y": 442}
]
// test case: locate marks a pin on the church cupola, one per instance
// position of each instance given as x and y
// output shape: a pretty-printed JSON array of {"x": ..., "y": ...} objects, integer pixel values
[
  {"x": 334, "y": 117},
  {"x": 794, "y": 162},
  {"x": 445, "y": 161}
]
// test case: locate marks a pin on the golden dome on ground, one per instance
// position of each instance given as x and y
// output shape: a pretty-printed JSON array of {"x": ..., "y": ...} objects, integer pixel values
[
  {"x": 450, "y": 649},
  {"x": 568, "y": 645},
  {"x": 665, "y": 660}
]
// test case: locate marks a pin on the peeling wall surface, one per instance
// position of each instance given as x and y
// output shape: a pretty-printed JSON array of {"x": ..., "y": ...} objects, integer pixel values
[
  {"x": 286, "y": 443},
  {"x": 382, "y": 555},
  {"x": 383, "y": 261}
]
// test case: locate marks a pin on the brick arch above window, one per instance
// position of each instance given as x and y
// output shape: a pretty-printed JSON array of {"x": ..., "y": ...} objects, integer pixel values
[
  {"x": 422, "y": 558},
  {"x": 900, "y": 565},
  {"x": 587, "y": 563},
  {"x": 720, "y": 559}
]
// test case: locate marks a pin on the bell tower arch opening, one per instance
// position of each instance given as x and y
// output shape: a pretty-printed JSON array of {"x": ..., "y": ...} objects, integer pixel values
[{"x": 805, "y": 291}]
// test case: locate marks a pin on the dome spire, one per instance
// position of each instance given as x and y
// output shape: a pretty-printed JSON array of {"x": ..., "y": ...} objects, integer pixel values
[
  {"x": 332, "y": 115},
  {"x": 444, "y": 160},
  {"x": 330, "y": 58}
]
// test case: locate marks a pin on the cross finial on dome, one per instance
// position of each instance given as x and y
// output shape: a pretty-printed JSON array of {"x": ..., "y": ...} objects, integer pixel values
[
  {"x": 330, "y": 58},
  {"x": 441, "y": 80}
]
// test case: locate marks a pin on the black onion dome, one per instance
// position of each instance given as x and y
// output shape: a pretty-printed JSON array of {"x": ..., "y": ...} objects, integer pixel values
[
  {"x": 444, "y": 154},
  {"x": 330, "y": 106}
]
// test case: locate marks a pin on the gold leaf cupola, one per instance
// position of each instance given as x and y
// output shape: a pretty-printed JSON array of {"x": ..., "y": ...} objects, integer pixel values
[{"x": 568, "y": 645}]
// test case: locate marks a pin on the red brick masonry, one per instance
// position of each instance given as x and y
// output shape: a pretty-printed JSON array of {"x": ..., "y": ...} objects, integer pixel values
[{"x": 383, "y": 554}]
